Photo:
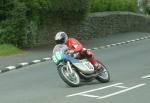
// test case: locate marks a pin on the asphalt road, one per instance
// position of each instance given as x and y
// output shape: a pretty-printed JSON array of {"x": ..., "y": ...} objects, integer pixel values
[
  {"x": 129, "y": 67},
  {"x": 44, "y": 51}
]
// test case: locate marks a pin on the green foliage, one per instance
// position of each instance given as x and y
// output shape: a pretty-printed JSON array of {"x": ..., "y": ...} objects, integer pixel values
[
  {"x": 147, "y": 9},
  {"x": 113, "y": 5},
  {"x": 12, "y": 26},
  {"x": 146, "y": 6},
  {"x": 68, "y": 11},
  {"x": 20, "y": 20}
]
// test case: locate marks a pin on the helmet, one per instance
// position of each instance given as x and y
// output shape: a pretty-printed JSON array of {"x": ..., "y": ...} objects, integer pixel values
[{"x": 61, "y": 38}]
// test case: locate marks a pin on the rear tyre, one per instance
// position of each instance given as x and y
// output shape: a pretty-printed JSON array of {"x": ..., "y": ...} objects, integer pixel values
[
  {"x": 104, "y": 75},
  {"x": 72, "y": 79}
]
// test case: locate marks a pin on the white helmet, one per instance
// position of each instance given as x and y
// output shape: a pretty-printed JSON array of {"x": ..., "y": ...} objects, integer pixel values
[{"x": 61, "y": 38}]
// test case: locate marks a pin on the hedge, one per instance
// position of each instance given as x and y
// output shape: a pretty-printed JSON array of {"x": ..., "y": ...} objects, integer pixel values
[
  {"x": 13, "y": 23},
  {"x": 113, "y": 5},
  {"x": 20, "y": 20}
]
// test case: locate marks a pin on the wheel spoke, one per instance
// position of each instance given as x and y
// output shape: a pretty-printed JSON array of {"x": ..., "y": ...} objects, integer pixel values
[
  {"x": 71, "y": 77},
  {"x": 103, "y": 73}
]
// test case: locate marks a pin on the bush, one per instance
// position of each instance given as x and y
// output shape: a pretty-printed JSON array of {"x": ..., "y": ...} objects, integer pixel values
[
  {"x": 20, "y": 20},
  {"x": 66, "y": 11},
  {"x": 146, "y": 7},
  {"x": 113, "y": 5},
  {"x": 69, "y": 11},
  {"x": 12, "y": 25}
]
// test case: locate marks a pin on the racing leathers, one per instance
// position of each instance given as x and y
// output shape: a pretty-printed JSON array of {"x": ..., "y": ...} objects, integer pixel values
[{"x": 75, "y": 46}]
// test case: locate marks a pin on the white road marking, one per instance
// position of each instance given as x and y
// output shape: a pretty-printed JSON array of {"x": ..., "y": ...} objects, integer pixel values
[
  {"x": 137, "y": 39},
  {"x": 145, "y": 76},
  {"x": 133, "y": 40},
  {"x": 23, "y": 64},
  {"x": 128, "y": 41},
  {"x": 36, "y": 61},
  {"x": 47, "y": 58},
  {"x": 94, "y": 90},
  {"x": 11, "y": 67},
  {"x": 123, "y": 87},
  {"x": 122, "y": 91},
  {"x": 142, "y": 38},
  {"x": 118, "y": 43},
  {"x": 108, "y": 45},
  {"x": 113, "y": 44},
  {"x": 145, "y": 37},
  {"x": 87, "y": 95},
  {"x": 123, "y": 42}
]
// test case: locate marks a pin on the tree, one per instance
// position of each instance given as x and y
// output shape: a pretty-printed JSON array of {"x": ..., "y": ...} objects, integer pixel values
[{"x": 20, "y": 20}]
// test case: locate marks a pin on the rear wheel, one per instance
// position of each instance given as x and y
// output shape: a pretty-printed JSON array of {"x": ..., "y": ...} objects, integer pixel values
[
  {"x": 104, "y": 75},
  {"x": 72, "y": 79}
]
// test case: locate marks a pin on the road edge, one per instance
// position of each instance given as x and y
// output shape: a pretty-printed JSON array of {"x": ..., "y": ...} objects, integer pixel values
[{"x": 20, "y": 65}]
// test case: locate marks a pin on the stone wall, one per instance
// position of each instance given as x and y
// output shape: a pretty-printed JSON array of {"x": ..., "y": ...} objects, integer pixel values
[
  {"x": 115, "y": 22},
  {"x": 100, "y": 24}
]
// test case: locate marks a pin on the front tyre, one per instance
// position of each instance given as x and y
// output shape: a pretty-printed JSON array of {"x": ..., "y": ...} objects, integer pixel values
[
  {"x": 72, "y": 79},
  {"x": 103, "y": 75}
]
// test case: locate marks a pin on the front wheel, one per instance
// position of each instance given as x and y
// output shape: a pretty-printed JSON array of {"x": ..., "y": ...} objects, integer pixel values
[
  {"x": 72, "y": 79},
  {"x": 103, "y": 75}
]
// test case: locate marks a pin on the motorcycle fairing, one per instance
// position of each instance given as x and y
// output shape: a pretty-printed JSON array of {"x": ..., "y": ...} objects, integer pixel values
[{"x": 81, "y": 64}]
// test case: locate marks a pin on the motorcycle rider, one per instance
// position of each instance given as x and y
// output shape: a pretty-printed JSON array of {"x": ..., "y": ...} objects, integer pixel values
[{"x": 76, "y": 47}]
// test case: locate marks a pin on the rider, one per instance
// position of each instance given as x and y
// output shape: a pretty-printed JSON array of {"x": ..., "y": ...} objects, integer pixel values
[{"x": 75, "y": 46}]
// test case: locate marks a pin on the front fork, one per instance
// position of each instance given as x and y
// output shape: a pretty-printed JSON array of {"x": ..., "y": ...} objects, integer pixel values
[{"x": 69, "y": 67}]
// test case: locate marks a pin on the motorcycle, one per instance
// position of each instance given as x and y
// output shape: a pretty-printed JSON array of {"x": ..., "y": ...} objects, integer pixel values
[{"x": 72, "y": 70}]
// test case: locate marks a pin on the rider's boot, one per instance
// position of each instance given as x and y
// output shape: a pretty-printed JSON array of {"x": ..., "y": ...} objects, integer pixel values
[{"x": 97, "y": 66}]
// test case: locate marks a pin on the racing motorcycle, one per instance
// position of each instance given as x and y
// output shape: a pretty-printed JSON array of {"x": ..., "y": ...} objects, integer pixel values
[{"x": 72, "y": 70}]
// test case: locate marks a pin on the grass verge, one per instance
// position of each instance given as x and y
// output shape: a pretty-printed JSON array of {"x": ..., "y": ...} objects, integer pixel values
[{"x": 8, "y": 49}]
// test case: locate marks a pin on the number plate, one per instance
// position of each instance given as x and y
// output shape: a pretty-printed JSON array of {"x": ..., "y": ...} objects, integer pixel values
[{"x": 88, "y": 65}]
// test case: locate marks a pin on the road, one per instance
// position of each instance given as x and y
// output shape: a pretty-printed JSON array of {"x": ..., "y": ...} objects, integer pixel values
[{"x": 129, "y": 66}]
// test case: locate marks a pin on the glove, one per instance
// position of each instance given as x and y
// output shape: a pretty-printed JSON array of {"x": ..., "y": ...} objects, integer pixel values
[{"x": 71, "y": 51}]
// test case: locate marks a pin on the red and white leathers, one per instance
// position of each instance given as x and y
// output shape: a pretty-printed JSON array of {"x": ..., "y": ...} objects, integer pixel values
[{"x": 75, "y": 46}]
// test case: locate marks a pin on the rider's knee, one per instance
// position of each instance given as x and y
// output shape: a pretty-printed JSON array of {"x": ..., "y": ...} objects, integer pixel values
[{"x": 89, "y": 53}]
